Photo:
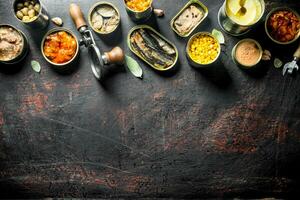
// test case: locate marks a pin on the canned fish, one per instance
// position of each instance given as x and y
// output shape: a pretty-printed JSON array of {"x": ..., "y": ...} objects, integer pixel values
[
  {"x": 13, "y": 44},
  {"x": 188, "y": 18},
  {"x": 139, "y": 10},
  {"x": 152, "y": 48},
  {"x": 32, "y": 13}
]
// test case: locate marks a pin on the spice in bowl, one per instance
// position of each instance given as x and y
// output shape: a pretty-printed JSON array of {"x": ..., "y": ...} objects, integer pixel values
[
  {"x": 138, "y": 5},
  {"x": 104, "y": 18},
  {"x": 283, "y": 25},
  {"x": 27, "y": 10},
  {"x": 11, "y": 43},
  {"x": 203, "y": 48},
  {"x": 247, "y": 53},
  {"x": 60, "y": 47}
]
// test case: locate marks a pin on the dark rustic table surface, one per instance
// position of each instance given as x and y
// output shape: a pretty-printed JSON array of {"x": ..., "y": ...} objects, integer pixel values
[{"x": 220, "y": 132}]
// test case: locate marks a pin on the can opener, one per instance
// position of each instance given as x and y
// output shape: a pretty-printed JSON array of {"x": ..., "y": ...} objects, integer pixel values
[
  {"x": 290, "y": 66},
  {"x": 98, "y": 60}
]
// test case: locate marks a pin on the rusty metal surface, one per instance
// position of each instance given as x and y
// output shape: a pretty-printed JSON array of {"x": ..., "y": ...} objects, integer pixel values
[{"x": 221, "y": 132}]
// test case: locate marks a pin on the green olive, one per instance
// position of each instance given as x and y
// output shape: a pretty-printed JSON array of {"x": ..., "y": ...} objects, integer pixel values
[
  {"x": 37, "y": 7},
  {"x": 20, "y": 6},
  {"x": 31, "y": 13},
  {"x": 25, "y": 11},
  {"x": 26, "y": 19},
  {"x": 19, "y": 15}
]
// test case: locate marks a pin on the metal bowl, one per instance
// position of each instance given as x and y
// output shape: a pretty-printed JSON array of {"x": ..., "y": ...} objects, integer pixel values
[
  {"x": 194, "y": 63},
  {"x": 22, "y": 54},
  {"x": 92, "y": 11},
  {"x": 266, "y": 25},
  {"x": 139, "y": 15},
  {"x": 60, "y": 66}
]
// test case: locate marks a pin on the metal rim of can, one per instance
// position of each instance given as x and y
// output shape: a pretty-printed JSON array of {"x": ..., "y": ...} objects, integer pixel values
[
  {"x": 25, "y": 44},
  {"x": 189, "y": 43},
  {"x": 233, "y": 53},
  {"x": 54, "y": 31},
  {"x": 150, "y": 6},
  {"x": 91, "y": 12},
  {"x": 204, "y": 8},
  {"x": 162, "y": 37},
  {"x": 266, "y": 25},
  {"x": 263, "y": 5},
  {"x": 15, "y": 13}
]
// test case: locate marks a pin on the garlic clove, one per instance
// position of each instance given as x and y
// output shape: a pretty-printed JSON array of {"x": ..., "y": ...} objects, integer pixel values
[
  {"x": 57, "y": 21},
  {"x": 159, "y": 12}
]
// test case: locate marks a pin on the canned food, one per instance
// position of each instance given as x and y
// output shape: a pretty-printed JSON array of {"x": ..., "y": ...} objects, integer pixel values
[
  {"x": 189, "y": 18},
  {"x": 203, "y": 49},
  {"x": 285, "y": 32},
  {"x": 60, "y": 48},
  {"x": 32, "y": 13},
  {"x": 13, "y": 44},
  {"x": 247, "y": 53},
  {"x": 152, "y": 48},
  {"x": 237, "y": 19},
  {"x": 139, "y": 10},
  {"x": 104, "y": 18}
]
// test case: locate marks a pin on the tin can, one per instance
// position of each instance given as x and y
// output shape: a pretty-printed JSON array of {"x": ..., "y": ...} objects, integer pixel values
[
  {"x": 25, "y": 47},
  {"x": 161, "y": 37},
  {"x": 266, "y": 25},
  {"x": 42, "y": 20},
  {"x": 139, "y": 15},
  {"x": 232, "y": 27},
  {"x": 61, "y": 66},
  {"x": 233, "y": 54},
  {"x": 196, "y": 64},
  {"x": 92, "y": 10},
  {"x": 200, "y": 6}
]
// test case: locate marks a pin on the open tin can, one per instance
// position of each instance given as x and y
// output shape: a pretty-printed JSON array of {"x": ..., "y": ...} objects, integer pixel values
[
  {"x": 139, "y": 15},
  {"x": 202, "y": 8},
  {"x": 41, "y": 20},
  {"x": 162, "y": 39},
  {"x": 24, "y": 49},
  {"x": 192, "y": 61},
  {"x": 259, "y": 54},
  {"x": 60, "y": 66},
  {"x": 232, "y": 27},
  {"x": 107, "y": 15}
]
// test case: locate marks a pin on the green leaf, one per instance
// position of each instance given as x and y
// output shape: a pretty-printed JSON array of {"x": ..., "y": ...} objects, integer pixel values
[
  {"x": 219, "y": 35},
  {"x": 36, "y": 66},
  {"x": 134, "y": 67},
  {"x": 277, "y": 63}
]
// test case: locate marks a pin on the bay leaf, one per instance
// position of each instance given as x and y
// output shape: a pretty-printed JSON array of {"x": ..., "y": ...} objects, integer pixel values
[
  {"x": 36, "y": 66},
  {"x": 219, "y": 35},
  {"x": 134, "y": 67}
]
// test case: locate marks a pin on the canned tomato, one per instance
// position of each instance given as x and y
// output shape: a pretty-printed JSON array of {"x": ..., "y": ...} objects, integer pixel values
[
  {"x": 31, "y": 13},
  {"x": 14, "y": 44},
  {"x": 139, "y": 10},
  {"x": 61, "y": 56}
]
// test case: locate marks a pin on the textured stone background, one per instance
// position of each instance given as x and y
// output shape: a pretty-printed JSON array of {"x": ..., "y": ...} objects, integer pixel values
[{"x": 219, "y": 132}]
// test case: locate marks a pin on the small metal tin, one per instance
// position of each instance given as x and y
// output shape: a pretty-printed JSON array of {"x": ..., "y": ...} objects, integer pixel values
[
  {"x": 266, "y": 25},
  {"x": 92, "y": 10},
  {"x": 191, "y": 61},
  {"x": 233, "y": 28},
  {"x": 200, "y": 5},
  {"x": 63, "y": 66},
  {"x": 139, "y": 15},
  {"x": 158, "y": 34},
  {"x": 42, "y": 20},
  {"x": 24, "y": 51},
  {"x": 233, "y": 54}
]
